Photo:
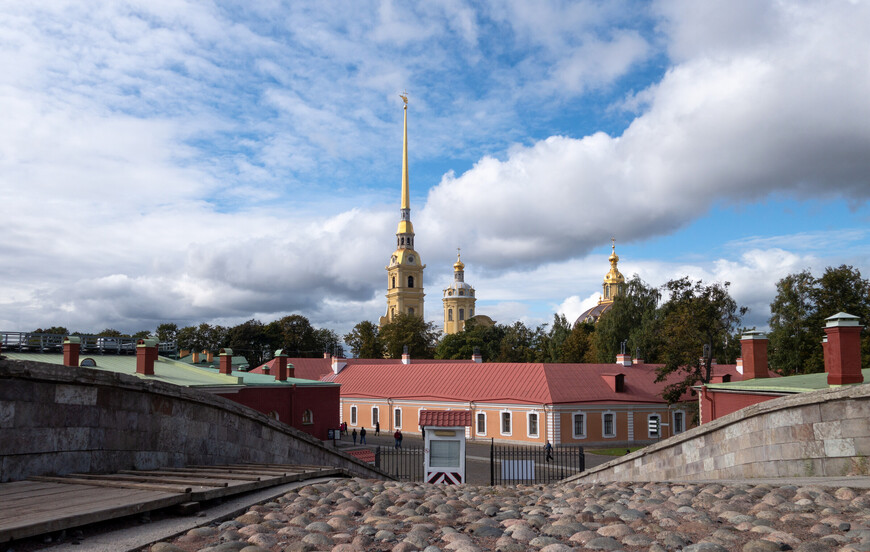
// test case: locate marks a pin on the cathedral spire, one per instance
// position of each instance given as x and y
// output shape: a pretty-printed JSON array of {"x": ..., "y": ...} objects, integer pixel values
[{"x": 406, "y": 196}]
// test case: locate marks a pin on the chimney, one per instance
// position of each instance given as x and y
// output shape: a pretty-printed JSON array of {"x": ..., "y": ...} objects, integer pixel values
[
  {"x": 146, "y": 354},
  {"x": 194, "y": 358},
  {"x": 623, "y": 359},
  {"x": 226, "y": 361},
  {"x": 183, "y": 353},
  {"x": 280, "y": 365},
  {"x": 326, "y": 355},
  {"x": 826, "y": 356},
  {"x": 338, "y": 365},
  {"x": 475, "y": 355},
  {"x": 209, "y": 356},
  {"x": 843, "y": 353},
  {"x": 739, "y": 365},
  {"x": 406, "y": 357},
  {"x": 71, "y": 347},
  {"x": 753, "y": 350}
]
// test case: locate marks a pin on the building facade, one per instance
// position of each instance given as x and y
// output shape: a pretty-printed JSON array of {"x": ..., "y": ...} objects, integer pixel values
[
  {"x": 405, "y": 271},
  {"x": 458, "y": 300}
]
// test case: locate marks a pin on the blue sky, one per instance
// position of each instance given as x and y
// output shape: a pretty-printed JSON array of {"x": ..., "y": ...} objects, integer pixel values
[{"x": 199, "y": 161}]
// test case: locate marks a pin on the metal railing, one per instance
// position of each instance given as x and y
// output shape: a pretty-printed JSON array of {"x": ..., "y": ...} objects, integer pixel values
[
  {"x": 510, "y": 465},
  {"x": 53, "y": 343},
  {"x": 403, "y": 464}
]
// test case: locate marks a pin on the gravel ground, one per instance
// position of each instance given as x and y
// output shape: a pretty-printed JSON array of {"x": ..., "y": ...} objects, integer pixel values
[{"x": 360, "y": 515}]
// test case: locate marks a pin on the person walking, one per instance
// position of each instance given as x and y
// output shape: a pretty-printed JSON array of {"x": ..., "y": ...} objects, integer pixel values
[
  {"x": 344, "y": 427},
  {"x": 398, "y": 436},
  {"x": 549, "y": 449},
  {"x": 362, "y": 436},
  {"x": 354, "y": 435},
  {"x": 377, "y": 428}
]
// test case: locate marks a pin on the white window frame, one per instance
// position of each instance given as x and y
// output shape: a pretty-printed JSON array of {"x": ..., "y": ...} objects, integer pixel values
[
  {"x": 573, "y": 425},
  {"x": 401, "y": 418},
  {"x": 537, "y": 416},
  {"x": 604, "y": 424},
  {"x": 648, "y": 420},
  {"x": 477, "y": 426},
  {"x": 674, "y": 421},
  {"x": 501, "y": 423},
  {"x": 375, "y": 419},
  {"x": 354, "y": 415},
  {"x": 310, "y": 416}
]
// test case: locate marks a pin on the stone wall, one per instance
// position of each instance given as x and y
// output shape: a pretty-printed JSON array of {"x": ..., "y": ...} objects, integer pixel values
[
  {"x": 57, "y": 420},
  {"x": 823, "y": 433}
]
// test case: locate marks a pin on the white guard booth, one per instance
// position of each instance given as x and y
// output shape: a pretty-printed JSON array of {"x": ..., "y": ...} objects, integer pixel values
[{"x": 444, "y": 445}]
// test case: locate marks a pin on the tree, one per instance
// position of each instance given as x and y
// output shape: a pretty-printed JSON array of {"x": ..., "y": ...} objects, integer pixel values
[
  {"x": 249, "y": 340},
  {"x": 696, "y": 324},
  {"x": 461, "y": 345},
  {"x": 520, "y": 344},
  {"x": 411, "y": 330},
  {"x": 555, "y": 340},
  {"x": 141, "y": 334},
  {"x": 633, "y": 318},
  {"x": 166, "y": 332},
  {"x": 187, "y": 339},
  {"x": 295, "y": 335},
  {"x": 579, "y": 346},
  {"x": 328, "y": 341},
  {"x": 110, "y": 332},
  {"x": 793, "y": 315},
  {"x": 842, "y": 289},
  {"x": 60, "y": 330},
  {"x": 364, "y": 341}
]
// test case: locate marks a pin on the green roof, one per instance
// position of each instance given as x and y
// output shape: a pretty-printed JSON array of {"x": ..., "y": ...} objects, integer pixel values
[
  {"x": 788, "y": 384},
  {"x": 251, "y": 378}
]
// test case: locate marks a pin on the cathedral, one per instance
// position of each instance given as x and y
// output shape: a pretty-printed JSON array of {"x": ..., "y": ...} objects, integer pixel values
[{"x": 614, "y": 284}]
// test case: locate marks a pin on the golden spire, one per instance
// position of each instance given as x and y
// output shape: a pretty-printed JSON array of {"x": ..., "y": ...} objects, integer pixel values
[
  {"x": 459, "y": 265},
  {"x": 406, "y": 196}
]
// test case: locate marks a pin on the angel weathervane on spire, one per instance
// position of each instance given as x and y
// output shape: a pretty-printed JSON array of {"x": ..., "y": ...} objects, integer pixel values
[
  {"x": 404, "y": 96},
  {"x": 613, "y": 244}
]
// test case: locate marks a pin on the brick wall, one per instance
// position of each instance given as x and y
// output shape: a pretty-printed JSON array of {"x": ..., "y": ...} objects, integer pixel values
[
  {"x": 57, "y": 420},
  {"x": 823, "y": 433}
]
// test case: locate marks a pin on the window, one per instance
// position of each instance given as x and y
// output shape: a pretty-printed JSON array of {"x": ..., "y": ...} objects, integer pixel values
[
  {"x": 410, "y": 281},
  {"x": 376, "y": 415},
  {"x": 308, "y": 417},
  {"x": 444, "y": 453},
  {"x": 608, "y": 425},
  {"x": 654, "y": 426},
  {"x": 679, "y": 421},
  {"x": 88, "y": 363},
  {"x": 394, "y": 282},
  {"x": 606, "y": 292},
  {"x": 397, "y": 418},
  {"x": 353, "y": 415},
  {"x": 462, "y": 314},
  {"x": 470, "y": 313},
  {"x": 410, "y": 310},
  {"x": 505, "y": 423},
  {"x": 461, "y": 292},
  {"x": 450, "y": 315},
  {"x": 533, "y": 424},
  {"x": 481, "y": 423},
  {"x": 449, "y": 292},
  {"x": 579, "y": 425}
]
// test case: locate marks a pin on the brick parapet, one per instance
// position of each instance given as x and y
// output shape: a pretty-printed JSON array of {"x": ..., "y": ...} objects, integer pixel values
[
  {"x": 56, "y": 420},
  {"x": 822, "y": 433}
]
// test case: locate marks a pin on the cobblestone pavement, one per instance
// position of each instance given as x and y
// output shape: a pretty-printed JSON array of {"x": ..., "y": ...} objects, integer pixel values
[{"x": 359, "y": 515}]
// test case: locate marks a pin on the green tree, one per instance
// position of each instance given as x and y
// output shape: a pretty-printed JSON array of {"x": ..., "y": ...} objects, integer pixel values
[
  {"x": 295, "y": 335},
  {"x": 327, "y": 341},
  {"x": 697, "y": 321},
  {"x": 141, "y": 334},
  {"x": 461, "y": 345},
  {"x": 554, "y": 343},
  {"x": 793, "y": 319},
  {"x": 187, "y": 339},
  {"x": 60, "y": 330},
  {"x": 521, "y": 344},
  {"x": 249, "y": 340},
  {"x": 411, "y": 330},
  {"x": 111, "y": 332},
  {"x": 633, "y": 318},
  {"x": 364, "y": 341},
  {"x": 166, "y": 332},
  {"x": 579, "y": 346}
]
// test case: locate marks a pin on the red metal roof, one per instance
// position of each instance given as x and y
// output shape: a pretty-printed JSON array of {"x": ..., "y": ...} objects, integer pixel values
[
  {"x": 365, "y": 455},
  {"x": 534, "y": 383},
  {"x": 321, "y": 368},
  {"x": 445, "y": 418}
]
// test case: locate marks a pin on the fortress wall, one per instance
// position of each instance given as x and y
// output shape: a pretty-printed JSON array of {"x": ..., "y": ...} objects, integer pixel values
[
  {"x": 822, "y": 433},
  {"x": 57, "y": 420}
]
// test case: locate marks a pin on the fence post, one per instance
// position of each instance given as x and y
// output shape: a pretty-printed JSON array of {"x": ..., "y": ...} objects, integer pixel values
[
  {"x": 378, "y": 457},
  {"x": 492, "y": 461}
]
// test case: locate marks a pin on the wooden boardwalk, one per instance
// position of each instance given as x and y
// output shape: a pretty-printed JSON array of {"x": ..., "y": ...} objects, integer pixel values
[{"x": 43, "y": 505}]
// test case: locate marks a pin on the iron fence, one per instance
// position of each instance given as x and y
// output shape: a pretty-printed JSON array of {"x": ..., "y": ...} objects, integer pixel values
[
  {"x": 511, "y": 465},
  {"x": 403, "y": 464}
]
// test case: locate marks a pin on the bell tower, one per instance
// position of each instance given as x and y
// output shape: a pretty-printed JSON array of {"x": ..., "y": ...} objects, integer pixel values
[
  {"x": 458, "y": 300},
  {"x": 405, "y": 271},
  {"x": 614, "y": 281}
]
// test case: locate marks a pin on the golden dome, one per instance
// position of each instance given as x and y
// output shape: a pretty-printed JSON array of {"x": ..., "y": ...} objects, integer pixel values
[
  {"x": 458, "y": 265},
  {"x": 613, "y": 275},
  {"x": 405, "y": 227}
]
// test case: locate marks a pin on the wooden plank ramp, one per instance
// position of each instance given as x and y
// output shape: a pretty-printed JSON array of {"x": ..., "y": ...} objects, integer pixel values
[{"x": 46, "y": 504}]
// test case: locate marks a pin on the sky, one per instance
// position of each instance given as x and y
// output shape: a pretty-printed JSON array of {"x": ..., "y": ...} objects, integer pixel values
[{"x": 194, "y": 161}]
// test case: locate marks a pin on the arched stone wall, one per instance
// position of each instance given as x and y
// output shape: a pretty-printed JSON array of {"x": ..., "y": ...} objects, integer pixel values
[
  {"x": 822, "y": 433},
  {"x": 56, "y": 420}
]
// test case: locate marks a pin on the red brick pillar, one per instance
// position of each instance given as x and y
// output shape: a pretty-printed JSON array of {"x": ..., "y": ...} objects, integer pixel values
[
  {"x": 843, "y": 353},
  {"x": 226, "y": 362},
  {"x": 146, "y": 355},
  {"x": 71, "y": 347},
  {"x": 280, "y": 365},
  {"x": 753, "y": 350}
]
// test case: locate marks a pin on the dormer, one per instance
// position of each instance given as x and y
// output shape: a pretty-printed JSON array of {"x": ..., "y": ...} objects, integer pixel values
[{"x": 616, "y": 382}]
